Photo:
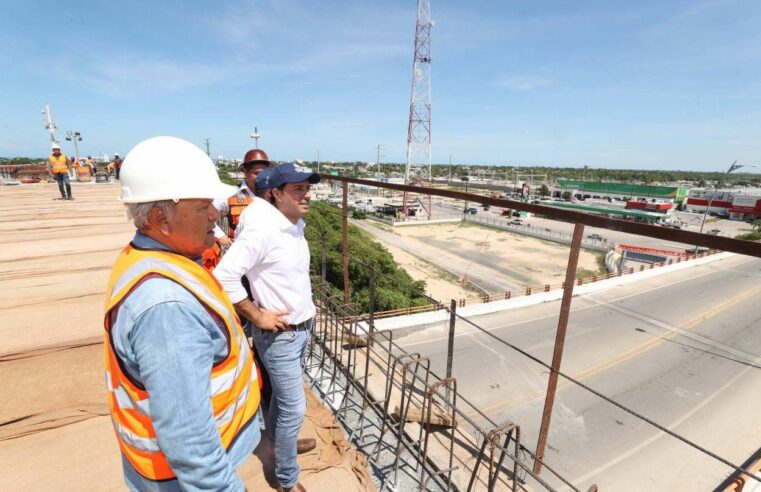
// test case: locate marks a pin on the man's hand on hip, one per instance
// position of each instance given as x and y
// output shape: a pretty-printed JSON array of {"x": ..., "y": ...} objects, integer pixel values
[
  {"x": 261, "y": 318},
  {"x": 271, "y": 320}
]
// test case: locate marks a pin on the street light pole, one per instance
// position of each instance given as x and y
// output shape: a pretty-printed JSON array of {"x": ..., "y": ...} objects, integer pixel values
[
  {"x": 76, "y": 137},
  {"x": 734, "y": 167}
]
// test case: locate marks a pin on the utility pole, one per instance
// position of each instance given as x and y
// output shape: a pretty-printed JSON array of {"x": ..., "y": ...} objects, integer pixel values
[
  {"x": 378, "y": 162},
  {"x": 50, "y": 126},
  {"x": 318, "y": 161},
  {"x": 450, "y": 169},
  {"x": 256, "y": 136},
  {"x": 208, "y": 150},
  {"x": 419, "y": 127}
]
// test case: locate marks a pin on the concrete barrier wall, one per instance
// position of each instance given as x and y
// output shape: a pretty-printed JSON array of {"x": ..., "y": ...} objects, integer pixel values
[{"x": 420, "y": 319}]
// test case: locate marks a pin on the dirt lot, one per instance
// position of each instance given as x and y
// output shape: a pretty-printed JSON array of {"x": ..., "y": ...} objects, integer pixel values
[{"x": 525, "y": 261}]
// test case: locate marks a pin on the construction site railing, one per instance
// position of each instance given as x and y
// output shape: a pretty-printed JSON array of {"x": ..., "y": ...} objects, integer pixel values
[
  {"x": 417, "y": 430},
  {"x": 363, "y": 374}
]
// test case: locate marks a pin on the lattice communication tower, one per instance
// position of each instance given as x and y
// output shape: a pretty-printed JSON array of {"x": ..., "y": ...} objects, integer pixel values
[{"x": 418, "y": 170}]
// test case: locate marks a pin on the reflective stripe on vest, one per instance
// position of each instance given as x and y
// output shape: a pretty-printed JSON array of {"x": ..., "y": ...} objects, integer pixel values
[
  {"x": 58, "y": 164},
  {"x": 234, "y": 389},
  {"x": 237, "y": 204}
]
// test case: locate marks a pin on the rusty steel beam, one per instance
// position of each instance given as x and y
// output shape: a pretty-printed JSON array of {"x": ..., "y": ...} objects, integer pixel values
[
  {"x": 749, "y": 248},
  {"x": 557, "y": 354},
  {"x": 345, "y": 239}
]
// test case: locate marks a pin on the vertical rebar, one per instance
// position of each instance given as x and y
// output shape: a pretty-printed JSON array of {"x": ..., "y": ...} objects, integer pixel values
[
  {"x": 345, "y": 239},
  {"x": 450, "y": 343},
  {"x": 557, "y": 355},
  {"x": 324, "y": 259},
  {"x": 371, "y": 307}
]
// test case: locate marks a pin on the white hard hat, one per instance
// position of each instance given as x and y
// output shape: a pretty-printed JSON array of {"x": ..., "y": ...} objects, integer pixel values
[
  {"x": 169, "y": 168},
  {"x": 56, "y": 146},
  {"x": 116, "y": 154}
]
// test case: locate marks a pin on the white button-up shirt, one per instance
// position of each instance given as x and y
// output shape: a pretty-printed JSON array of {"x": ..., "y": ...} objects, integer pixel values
[{"x": 273, "y": 254}]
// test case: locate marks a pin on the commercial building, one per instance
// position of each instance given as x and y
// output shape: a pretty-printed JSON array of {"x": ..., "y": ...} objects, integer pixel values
[
  {"x": 582, "y": 190},
  {"x": 738, "y": 204},
  {"x": 611, "y": 211}
]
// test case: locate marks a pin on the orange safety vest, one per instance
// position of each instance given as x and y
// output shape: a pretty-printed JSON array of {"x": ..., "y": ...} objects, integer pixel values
[
  {"x": 210, "y": 258},
  {"x": 236, "y": 205},
  {"x": 234, "y": 389},
  {"x": 58, "y": 164}
]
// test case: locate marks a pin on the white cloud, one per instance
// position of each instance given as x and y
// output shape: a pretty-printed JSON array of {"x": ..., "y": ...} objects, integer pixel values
[
  {"x": 524, "y": 83},
  {"x": 287, "y": 37},
  {"x": 134, "y": 73}
]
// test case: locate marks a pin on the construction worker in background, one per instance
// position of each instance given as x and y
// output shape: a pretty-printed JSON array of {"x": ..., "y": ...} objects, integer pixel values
[
  {"x": 116, "y": 165},
  {"x": 58, "y": 168},
  {"x": 182, "y": 385},
  {"x": 271, "y": 252},
  {"x": 254, "y": 162},
  {"x": 91, "y": 164}
]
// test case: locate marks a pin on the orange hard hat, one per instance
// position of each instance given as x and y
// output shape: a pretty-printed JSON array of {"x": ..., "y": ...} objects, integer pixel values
[{"x": 256, "y": 156}]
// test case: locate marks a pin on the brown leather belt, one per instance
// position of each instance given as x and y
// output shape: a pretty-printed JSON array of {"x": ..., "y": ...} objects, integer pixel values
[{"x": 300, "y": 326}]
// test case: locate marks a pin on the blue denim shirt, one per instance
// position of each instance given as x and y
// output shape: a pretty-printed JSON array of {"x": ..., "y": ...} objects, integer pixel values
[{"x": 168, "y": 342}]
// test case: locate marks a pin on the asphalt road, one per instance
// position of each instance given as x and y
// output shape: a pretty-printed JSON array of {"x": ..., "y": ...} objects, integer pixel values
[{"x": 682, "y": 349}]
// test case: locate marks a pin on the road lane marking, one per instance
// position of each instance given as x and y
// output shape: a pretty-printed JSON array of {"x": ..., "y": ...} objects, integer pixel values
[
  {"x": 660, "y": 433},
  {"x": 684, "y": 330},
  {"x": 629, "y": 354}
]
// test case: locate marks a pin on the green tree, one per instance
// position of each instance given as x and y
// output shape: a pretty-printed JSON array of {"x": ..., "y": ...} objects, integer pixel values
[
  {"x": 544, "y": 190},
  {"x": 757, "y": 224},
  {"x": 394, "y": 288}
]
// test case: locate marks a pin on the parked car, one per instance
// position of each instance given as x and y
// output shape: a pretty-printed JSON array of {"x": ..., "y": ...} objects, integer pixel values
[
  {"x": 714, "y": 232},
  {"x": 673, "y": 225},
  {"x": 516, "y": 222},
  {"x": 473, "y": 210},
  {"x": 595, "y": 237},
  {"x": 696, "y": 250}
]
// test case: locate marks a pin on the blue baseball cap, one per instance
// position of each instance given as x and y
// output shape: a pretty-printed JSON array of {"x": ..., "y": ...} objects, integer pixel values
[
  {"x": 288, "y": 173},
  {"x": 263, "y": 178}
]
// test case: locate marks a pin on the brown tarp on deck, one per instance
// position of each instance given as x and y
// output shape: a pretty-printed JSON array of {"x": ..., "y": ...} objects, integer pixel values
[{"x": 55, "y": 432}]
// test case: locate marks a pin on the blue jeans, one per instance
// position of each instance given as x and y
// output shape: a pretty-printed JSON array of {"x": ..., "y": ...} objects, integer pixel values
[
  {"x": 63, "y": 179},
  {"x": 283, "y": 356}
]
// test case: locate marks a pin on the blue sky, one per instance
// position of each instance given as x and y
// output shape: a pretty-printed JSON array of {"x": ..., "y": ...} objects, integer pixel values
[{"x": 647, "y": 84}]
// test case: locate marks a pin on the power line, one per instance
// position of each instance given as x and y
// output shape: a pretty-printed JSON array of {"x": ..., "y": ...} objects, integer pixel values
[{"x": 613, "y": 402}]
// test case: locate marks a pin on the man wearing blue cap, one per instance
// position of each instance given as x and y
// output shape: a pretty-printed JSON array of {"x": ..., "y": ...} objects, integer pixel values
[{"x": 270, "y": 250}]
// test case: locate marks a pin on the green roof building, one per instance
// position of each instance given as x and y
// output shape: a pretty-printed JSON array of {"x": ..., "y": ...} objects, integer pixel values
[
  {"x": 599, "y": 209},
  {"x": 676, "y": 193}
]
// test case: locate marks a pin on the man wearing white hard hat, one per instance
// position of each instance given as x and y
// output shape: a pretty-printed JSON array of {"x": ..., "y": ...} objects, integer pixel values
[
  {"x": 58, "y": 168},
  {"x": 182, "y": 384}
]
